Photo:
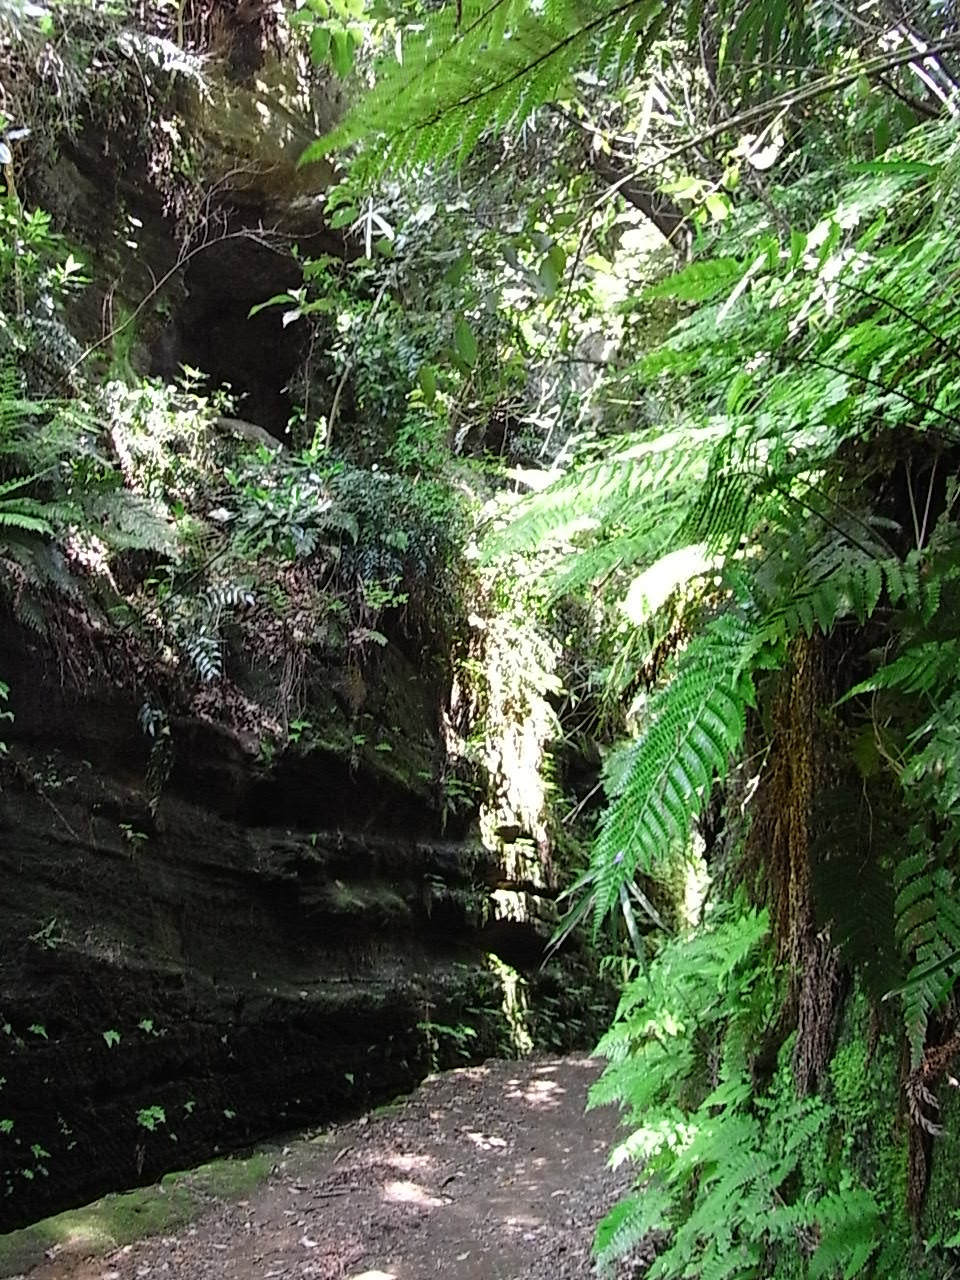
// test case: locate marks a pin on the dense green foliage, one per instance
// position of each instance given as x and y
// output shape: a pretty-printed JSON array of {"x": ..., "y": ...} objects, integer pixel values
[
  {"x": 776, "y": 545},
  {"x": 663, "y": 296}
]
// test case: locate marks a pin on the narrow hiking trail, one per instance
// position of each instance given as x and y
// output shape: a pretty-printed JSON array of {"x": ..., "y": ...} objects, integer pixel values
[{"x": 486, "y": 1173}]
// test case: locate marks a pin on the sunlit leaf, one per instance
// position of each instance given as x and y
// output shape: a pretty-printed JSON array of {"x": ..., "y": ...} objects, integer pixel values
[
  {"x": 278, "y": 299},
  {"x": 320, "y": 44},
  {"x": 341, "y": 217},
  {"x": 548, "y": 277},
  {"x": 342, "y": 54}
]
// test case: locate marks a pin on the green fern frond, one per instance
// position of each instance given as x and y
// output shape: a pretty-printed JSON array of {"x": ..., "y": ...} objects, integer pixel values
[
  {"x": 630, "y": 1222},
  {"x": 804, "y": 585},
  {"x": 699, "y": 281},
  {"x": 204, "y": 651},
  {"x": 850, "y": 1224},
  {"x": 693, "y": 727},
  {"x": 38, "y": 563},
  {"x": 636, "y": 489},
  {"x": 130, "y": 521},
  {"x": 918, "y": 669},
  {"x": 927, "y": 925},
  {"x": 712, "y": 1168},
  {"x": 12, "y": 517},
  {"x": 479, "y": 65},
  {"x": 30, "y": 613},
  {"x": 724, "y": 509}
]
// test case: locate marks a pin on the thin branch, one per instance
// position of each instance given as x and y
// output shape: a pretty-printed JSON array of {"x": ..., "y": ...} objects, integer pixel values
[
  {"x": 788, "y": 100},
  {"x": 904, "y": 314},
  {"x": 915, "y": 104}
]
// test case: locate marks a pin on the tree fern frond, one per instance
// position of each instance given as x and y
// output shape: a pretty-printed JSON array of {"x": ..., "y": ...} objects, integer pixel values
[
  {"x": 638, "y": 485},
  {"x": 693, "y": 726},
  {"x": 699, "y": 281},
  {"x": 482, "y": 65},
  {"x": 927, "y": 926},
  {"x": 918, "y": 669},
  {"x": 724, "y": 509}
]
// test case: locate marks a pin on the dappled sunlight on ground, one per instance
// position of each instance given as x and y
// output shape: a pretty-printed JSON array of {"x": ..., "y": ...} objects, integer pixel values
[
  {"x": 407, "y": 1163},
  {"x": 542, "y": 1095},
  {"x": 486, "y": 1142},
  {"x": 469, "y": 1073},
  {"x": 410, "y": 1193},
  {"x": 490, "y": 1173},
  {"x": 81, "y": 1235},
  {"x": 520, "y": 1221}
]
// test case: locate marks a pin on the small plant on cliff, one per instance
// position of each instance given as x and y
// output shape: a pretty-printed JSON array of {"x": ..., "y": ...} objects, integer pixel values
[
  {"x": 49, "y": 935},
  {"x": 438, "y": 1035},
  {"x": 151, "y": 1118}
]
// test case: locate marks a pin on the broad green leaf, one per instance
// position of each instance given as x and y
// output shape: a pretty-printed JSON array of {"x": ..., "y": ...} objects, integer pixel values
[
  {"x": 341, "y": 217},
  {"x": 457, "y": 270},
  {"x": 342, "y": 54},
  {"x": 278, "y": 299},
  {"x": 907, "y": 167},
  {"x": 427, "y": 377},
  {"x": 320, "y": 44},
  {"x": 685, "y": 188},
  {"x": 465, "y": 343},
  {"x": 548, "y": 278},
  {"x": 717, "y": 207},
  {"x": 558, "y": 258}
]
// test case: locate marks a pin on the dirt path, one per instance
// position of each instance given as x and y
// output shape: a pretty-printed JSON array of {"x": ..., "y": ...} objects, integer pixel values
[{"x": 487, "y": 1173}]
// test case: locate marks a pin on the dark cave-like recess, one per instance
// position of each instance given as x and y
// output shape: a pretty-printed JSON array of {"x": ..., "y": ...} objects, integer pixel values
[{"x": 256, "y": 356}]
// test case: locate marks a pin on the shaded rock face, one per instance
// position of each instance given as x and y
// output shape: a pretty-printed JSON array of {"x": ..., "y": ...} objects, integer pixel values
[
  {"x": 187, "y": 205},
  {"x": 215, "y": 332},
  {"x": 286, "y": 939},
  {"x": 255, "y": 960}
]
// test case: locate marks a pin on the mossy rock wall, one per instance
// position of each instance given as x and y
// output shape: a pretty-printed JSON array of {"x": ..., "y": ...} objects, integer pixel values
[{"x": 285, "y": 942}]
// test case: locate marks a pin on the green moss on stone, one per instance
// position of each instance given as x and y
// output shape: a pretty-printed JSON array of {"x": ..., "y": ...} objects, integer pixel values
[{"x": 120, "y": 1219}]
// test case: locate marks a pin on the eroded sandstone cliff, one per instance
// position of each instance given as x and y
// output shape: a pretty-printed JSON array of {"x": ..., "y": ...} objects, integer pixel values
[{"x": 281, "y": 943}]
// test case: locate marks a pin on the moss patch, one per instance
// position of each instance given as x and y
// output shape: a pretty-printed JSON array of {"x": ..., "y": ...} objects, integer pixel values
[
  {"x": 940, "y": 1221},
  {"x": 122, "y": 1218}
]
